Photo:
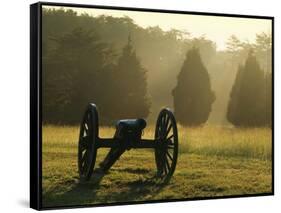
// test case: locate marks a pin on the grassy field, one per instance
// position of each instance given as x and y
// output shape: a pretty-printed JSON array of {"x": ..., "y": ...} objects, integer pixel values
[{"x": 213, "y": 161}]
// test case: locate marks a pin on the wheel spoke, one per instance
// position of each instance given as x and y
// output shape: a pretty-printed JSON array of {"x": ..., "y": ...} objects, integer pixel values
[
  {"x": 84, "y": 157},
  {"x": 164, "y": 166},
  {"x": 160, "y": 165},
  {"x": 162, "y": 125},
  {"x": 167, "y": 122},
  {"x": 170, "y": 146},
  {"x": 84, "y": 163},
  {"x": 169, "y": 155},
  {"x": 84, "y": 166},
  {"x": 167, "y": 164},
  {"x": 160, "y": 131},
  {"x": 84, "y": 142},
  {"x": 163, "y": 118},
  {"x": 85, "y": 132},
  {"x": 169, "y": 141},
  {"x": 159, "y": 128},
  {"x": 170, "y": 137},
  {"x": 168, "y": 130}
]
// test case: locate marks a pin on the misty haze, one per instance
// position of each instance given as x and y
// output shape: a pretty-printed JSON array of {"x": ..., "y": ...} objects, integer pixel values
[{"x": 213, "y": 72}]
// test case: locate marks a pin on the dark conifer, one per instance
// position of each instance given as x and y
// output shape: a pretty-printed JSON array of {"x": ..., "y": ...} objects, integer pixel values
[
  {"x": 130, "y": 86},
  {"x": 193, "y": 96},
  {"x": 247, "y": 99}
]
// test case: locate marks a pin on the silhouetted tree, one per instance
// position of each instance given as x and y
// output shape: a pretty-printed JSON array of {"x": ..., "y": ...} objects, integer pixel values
[
  {"x": 193, "y": 96},
  {"x": 247, "y": 99},
  {"x": 130, "y": 86}
]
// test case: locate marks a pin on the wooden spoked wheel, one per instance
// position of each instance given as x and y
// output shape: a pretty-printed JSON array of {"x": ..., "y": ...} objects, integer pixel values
[
  {"x": 166, "y": 151},
  {"x": 87, "y": 145}
]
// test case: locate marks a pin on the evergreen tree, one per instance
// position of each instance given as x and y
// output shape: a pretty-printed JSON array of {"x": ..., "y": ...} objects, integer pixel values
[
  {"x": 193, "y": 96},
  {"x": 131, "y": 99},
  {"x": 246, "y": 106}
]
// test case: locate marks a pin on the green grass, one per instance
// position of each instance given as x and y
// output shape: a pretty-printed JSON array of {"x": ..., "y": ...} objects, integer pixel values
[{"x": 212, "y": 162}]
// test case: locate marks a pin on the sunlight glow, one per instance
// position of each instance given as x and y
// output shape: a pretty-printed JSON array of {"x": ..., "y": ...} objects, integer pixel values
[{"x": 215, "y": 28}]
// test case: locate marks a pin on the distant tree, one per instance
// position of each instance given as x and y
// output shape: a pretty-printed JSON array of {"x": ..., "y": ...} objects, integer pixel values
[
  {"x": 233, "y": 44},
  {"x": 263, "y": 50},
  {"x": 131, "y": 98},
  {"x": 263, "y": 42},
  {"x": 246, "y": 106},
  {"x": 193, "y": 96}
]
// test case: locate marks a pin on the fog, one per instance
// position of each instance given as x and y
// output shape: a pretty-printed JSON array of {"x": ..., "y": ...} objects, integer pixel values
[{"x": 161, "y": 41}]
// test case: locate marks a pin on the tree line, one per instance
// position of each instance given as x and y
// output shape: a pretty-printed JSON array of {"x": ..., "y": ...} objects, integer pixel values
[
  {"x": 82, "y": 69},
  {"x": 83, "y": 61}
]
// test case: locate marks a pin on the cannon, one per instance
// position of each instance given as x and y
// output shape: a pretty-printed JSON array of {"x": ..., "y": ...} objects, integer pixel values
[{"x": 128, "y": 136}]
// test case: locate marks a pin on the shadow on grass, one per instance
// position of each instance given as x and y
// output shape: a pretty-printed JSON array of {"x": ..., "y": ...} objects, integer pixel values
[
  {"x": 93, "y": 191},
  {"x": 134, "y": 171}
]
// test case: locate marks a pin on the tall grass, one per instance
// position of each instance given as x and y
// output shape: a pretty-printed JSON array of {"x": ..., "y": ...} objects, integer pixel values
[
  {"x": 208, "y": 140},
  {"x": 230, "y": 142}
]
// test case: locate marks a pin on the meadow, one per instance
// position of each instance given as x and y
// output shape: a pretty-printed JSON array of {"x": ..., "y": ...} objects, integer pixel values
[{"x": 213, "y": 161}]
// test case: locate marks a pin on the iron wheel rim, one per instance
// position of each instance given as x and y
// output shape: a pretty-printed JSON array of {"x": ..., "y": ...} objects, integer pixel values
[{"x": 166, "y": 151}]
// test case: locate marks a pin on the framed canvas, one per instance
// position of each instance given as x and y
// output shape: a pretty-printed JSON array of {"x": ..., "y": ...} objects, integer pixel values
[{"x": 133, "y": 105}]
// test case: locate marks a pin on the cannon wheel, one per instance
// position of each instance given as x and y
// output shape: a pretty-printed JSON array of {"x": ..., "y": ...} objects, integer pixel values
[
  {"x": 166, "y": 151},
  {"x": 87, "y": 146}
]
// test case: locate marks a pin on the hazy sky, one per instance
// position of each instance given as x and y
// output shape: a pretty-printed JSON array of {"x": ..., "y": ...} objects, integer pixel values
[{"x": 218, "y": 29}]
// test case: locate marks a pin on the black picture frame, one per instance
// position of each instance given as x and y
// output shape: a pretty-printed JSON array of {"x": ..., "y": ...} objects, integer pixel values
[{"x": 36, "y": 102}]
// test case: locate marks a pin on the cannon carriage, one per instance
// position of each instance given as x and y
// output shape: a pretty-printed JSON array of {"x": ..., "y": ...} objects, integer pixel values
[{"x": 128, "y": 135}]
